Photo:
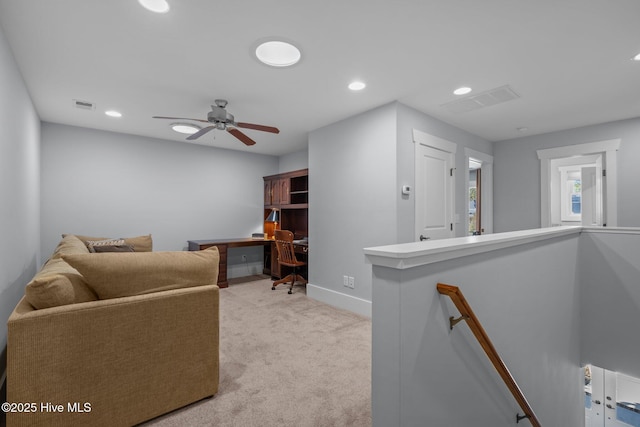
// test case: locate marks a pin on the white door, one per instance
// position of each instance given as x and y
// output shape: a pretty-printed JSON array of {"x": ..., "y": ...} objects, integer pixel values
[
  {"x": 607, "y": 388},
  {"x": 434, "y": 185},
  {"x": 594, "y": 408},
  {"x": 591, "y": 196}
]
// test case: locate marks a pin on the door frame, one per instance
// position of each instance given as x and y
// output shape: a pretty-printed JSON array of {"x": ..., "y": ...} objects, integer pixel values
[
  {"x": 486, "y": 220},
  {"x": 609, "y": 150}
]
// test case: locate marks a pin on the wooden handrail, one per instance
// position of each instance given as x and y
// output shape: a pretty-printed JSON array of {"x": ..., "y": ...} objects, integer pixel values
[{"x": 467, "y": 314}]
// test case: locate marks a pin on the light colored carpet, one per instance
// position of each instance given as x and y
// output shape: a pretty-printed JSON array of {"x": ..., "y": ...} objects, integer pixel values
[{"x": 285, "y": 360}]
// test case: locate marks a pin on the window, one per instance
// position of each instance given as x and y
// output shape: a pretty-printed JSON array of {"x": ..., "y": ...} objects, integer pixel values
[
  {"x": 604, "y": 201},
  {"x": 571, "y": 194}
]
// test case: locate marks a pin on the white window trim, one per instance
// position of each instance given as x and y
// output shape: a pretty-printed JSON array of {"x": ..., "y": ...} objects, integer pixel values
[{"x": 609, "y": 148}]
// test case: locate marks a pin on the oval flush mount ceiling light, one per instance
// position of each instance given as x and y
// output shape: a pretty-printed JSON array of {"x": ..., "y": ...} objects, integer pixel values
[
  {"x": 462, "y": 90},
  {"x": 278, "y": 53},
  {"x": 357, "y": 85},
  {"x": 157, "y": 6},
  {"x": 113, "y": 113},
  {"x": 185, "y": 128}
]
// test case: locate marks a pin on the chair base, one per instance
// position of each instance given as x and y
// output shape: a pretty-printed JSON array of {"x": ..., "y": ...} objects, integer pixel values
[{"x": 293, "y": 277}]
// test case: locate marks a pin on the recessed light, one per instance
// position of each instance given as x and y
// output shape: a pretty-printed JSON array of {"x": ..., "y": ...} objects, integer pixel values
[
  {"x": 113, "y": 113},
  {"x": 278, "y": 53},
  {"x": 522, "y": 129},
  {"x": 357, "y": 85},
  {"x": 157, "y": 6},
  {"x": 462, "y": 90},
  {"x": 186, "y": 128},
  {"x": 636, "y": 58}
]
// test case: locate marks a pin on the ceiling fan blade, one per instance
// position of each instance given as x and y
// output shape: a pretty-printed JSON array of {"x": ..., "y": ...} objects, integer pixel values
[
  {"x": 200, "y": 133},
  {"x": 241, "y": 136},
  {"x": 180, "y": 118},
  {"x": 258, "y": 127}
]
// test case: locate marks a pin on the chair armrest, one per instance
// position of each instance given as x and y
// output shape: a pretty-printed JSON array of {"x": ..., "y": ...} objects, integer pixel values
[{"x": 130, "y": 359}]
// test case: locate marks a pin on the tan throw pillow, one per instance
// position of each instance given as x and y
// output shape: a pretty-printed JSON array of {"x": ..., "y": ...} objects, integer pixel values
[
  {"x": 114, "y": 275},
  {"x": 139, "y": 243},
  {"x": 57, "y": 283}
]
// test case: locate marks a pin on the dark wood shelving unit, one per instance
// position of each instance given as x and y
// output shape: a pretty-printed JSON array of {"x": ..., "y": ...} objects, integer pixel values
[{"x": 289, "y": 194}]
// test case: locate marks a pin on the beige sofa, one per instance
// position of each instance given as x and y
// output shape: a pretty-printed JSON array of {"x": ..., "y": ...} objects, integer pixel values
[{"x": 117, "y": 339}]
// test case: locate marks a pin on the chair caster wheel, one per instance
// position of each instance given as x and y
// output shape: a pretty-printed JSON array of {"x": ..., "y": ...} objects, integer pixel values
[
  {"x": 273, "y": 288},
  {"x": 290, "y": 292}
]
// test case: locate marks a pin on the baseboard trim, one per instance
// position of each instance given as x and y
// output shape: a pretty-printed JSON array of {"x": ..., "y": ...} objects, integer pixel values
[{"x": 340, "y": 300}]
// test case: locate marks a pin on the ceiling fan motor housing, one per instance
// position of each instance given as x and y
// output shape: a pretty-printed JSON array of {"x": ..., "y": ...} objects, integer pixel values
[{"x": 219, "y": 115}]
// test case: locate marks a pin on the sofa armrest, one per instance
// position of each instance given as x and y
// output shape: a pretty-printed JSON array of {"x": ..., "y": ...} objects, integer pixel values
[{"x": 130, "y": 359}]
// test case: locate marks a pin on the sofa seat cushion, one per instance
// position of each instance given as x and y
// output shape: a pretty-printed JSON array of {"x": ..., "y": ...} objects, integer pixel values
[
  {"x": 114, "y": 274},
  {"x": 57, "y": 283}
]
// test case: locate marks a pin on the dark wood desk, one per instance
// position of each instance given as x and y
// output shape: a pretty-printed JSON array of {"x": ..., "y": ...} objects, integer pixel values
[
  {"x": 223, "y": 245},
  {"x": 271, "y": 265}
]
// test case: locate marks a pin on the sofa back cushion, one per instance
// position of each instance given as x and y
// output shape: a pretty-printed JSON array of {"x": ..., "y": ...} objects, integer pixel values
[
  {"x": 114, "y": 275},
  {"x": 57, "y": 283}
]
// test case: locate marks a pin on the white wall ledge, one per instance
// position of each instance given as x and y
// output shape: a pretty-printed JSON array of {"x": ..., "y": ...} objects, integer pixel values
[
  {"x": 414, "y": 254},
  {"x": 612, "y": 230}
]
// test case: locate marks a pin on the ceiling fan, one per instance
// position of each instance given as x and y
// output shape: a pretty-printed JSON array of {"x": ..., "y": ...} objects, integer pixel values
[{"x": 218, "y": 118}]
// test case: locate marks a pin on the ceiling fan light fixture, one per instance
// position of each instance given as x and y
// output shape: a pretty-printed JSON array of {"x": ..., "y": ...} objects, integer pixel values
[
  {"x": 113, "y": 113},
  {"x": 462, "y": 90},
  {"x": 357, "y": 85},
  {"x": 157, "y": 6},
  {"x": 278, "y": 53},
  {"x": 186, "y": 128}
]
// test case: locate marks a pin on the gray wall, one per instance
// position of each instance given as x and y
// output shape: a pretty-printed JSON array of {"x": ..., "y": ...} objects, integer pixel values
[
  {"x": 609, "y": 272},
  {"x": 294, "y": 161},
  {"x": 19, "y": 189},
  {"x": 423, "y": 374},
  {"x": 517, "y": 173},
  {"x": 110, "y": 184},
  {"x": 357, "y": 167},
  {"x": 409, "y": 119},
  {"x": 352, "y": 183}
]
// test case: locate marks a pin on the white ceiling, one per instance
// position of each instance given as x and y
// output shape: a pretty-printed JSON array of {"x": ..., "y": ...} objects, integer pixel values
[{"x": 569, "y": 60}]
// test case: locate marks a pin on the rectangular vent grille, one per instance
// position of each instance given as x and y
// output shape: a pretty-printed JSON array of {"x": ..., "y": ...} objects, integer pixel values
[
  {"x": 85, "y": 105},
  {"x": 481, "y": 100}
]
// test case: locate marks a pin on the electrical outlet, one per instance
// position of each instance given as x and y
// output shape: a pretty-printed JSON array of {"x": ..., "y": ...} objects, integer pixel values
[
  {"x": 352, "y": 282},
  {"x": 244, "y": 258},
  {"x": 345, "y": 281}
]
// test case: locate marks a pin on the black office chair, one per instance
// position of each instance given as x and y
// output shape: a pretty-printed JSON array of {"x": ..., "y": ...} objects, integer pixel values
[{"x": 287, "y": 257}]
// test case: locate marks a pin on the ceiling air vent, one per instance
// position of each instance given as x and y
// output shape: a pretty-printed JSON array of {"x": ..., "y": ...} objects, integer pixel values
[
  {"x": 85, "y": 105},
  {"x": 481, "y": 100}
]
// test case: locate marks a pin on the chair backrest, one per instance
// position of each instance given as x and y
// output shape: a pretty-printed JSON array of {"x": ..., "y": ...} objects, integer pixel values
[{"x": 284, "y": 244}]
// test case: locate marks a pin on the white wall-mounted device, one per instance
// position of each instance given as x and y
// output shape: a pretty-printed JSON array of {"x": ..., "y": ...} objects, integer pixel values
[{"x": 406, "y": 190}]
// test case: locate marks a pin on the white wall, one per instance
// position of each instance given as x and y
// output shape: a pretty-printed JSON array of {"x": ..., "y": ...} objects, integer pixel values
[
  {"x": 517, "y": 173},
  {"x": 110, "y": 184},
  {"x": 19, "y": 189},
  {"x": 423, "y": 374},
  {"x": 609, "y": 272}
]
